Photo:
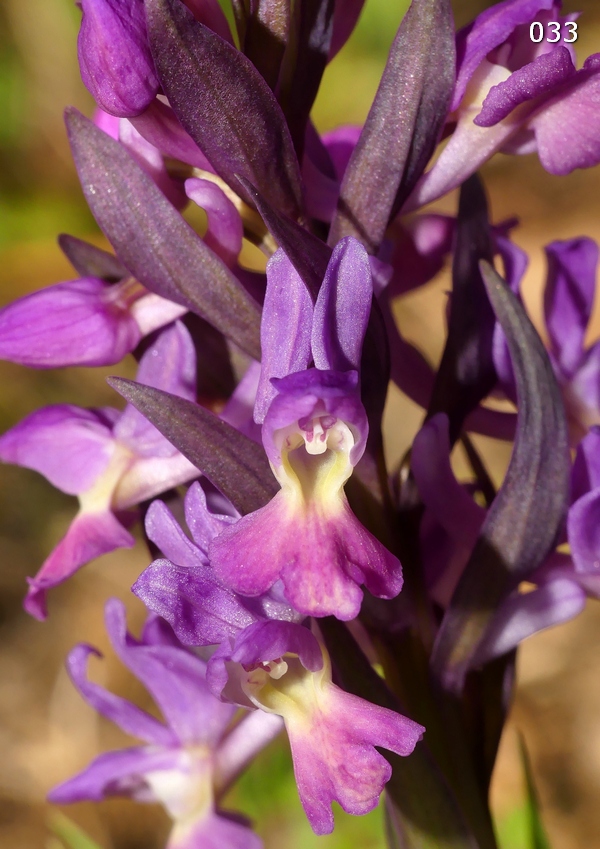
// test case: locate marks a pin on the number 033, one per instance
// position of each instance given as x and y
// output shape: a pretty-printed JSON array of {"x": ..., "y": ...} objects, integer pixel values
[{"x": 553, "y": 30}]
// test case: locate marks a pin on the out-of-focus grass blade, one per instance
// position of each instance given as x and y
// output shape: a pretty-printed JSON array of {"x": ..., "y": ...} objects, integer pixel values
[
  {"x": 537, "y": 838},
  {"x": 69, "y": 835}
]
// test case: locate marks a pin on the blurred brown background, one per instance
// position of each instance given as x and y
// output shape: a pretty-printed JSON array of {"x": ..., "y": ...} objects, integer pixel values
[{"x": 46, "y": 731}]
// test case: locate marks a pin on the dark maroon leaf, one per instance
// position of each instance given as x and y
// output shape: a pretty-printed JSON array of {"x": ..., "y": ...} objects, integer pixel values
[
  {"x": 403, "y": 125},
  {"x": 241, "y": 13},
  {"x": 90, "y": 261},
  {"x": 154, "y": 242},
  {"x": 224, "y": 104},
  {"x": 308, "y": 255},
  {"x": 267, "y": 36},
  {"x": 303, "y": 67},
  {"x": 236, "y": 465},
  {"x": 215, "y": 378},
  {"x": 523, "y": 523},
  {"x": 345, "y": 18},
  {"x": 466, "y": 374}
]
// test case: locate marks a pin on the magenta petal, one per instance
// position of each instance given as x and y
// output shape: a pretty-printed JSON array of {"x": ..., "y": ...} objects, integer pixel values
[
  {"x": 567, "y": 128},
  {"x": 183, "y": 589},
  {"x": 261, "y": 642},
  {"x": 109, "y": 124},
  {"x": 116, "y": 774},
  {"x": 266, "y": 641},
  {"x": 488, "y": 31},
  {"x": 130, "y": 718},
  {"x": 583, "y": 529},
  {"x": 198, "y": 608},
  {"x": 164, "y": 531},
  {"x": 339, "y": 144},
  {"x": 568, "y": 298},
  {"x": 582, "y": 394},
  {"x": 159, "y": 125},
  {"x": 321, "y": 191},
  {"x": 89, "y": 536},
  {"x": 71, "y": 447},
  {"x": 308, "y": 393},
  {"x": 533, "y": 80},
  {"x": 114, "y": 55},
  {"x": 443, "y": 496},
  {"x": 170, "y": 363},
  {"x": 343, "y": 308},
  {"x": 523, "y": 615},
  {"x": 225, "y": 231},
  {"x": 80, "y": 322},
  {"x": 320, "y": 558},
  {"x": 419, "y": 251},
  {"x": 209, "y": 13},
  {"x": 335, "y": 757},
  {"x": 202, "y": 522},
  {"x": 586, "y": 468}
]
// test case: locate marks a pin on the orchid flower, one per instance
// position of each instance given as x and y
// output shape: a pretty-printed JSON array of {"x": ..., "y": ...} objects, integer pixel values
[
  {"x": 186, "y": 762},
  {"x": 314, "y": 431},
  {"x": 265, "y": 659},
  {"x": 517, "y": 96},
  {"x": 111, "y": 460}
]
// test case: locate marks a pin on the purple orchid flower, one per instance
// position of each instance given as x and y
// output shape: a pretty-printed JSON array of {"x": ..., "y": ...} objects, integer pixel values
[
  {"x": 517, "y": 96},
  {"x": 314, "y": 432},
  {"x": 283, "y": 669},
  {"x": 265, "y": 659},
  {"x": 93, "y": 322},
  {"x": 582, "y": 519},
  {"x": 111, "y": 460},
  {"x": 185, "y": 763}
]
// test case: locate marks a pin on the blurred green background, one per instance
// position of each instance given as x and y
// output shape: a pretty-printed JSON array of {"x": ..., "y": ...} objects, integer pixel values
[{"x": 46, "y": 731}]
